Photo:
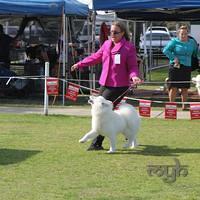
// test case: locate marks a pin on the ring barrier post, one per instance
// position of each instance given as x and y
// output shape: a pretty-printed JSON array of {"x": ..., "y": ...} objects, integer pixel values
[{"x": 46, "y": 97}]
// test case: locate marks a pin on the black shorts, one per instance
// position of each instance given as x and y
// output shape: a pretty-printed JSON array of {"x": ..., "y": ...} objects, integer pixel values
[{"x": 181, "y": 74}]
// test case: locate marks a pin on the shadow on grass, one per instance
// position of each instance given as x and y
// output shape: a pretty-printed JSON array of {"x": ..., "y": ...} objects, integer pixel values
[
  {"x": 151, "y": 150},
  {"x": 12, "y": 156}
]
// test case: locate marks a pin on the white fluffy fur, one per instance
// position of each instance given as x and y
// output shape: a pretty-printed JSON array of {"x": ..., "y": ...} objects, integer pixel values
[
  {"x": 196, "y": 80},
  {"x": 109, "y": 123}
]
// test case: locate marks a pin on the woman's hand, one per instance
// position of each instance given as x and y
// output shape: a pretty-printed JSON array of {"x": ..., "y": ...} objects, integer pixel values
[
  {"x": 74, "y": 67},
  {"x": 136, "y": 80},
  {"x": 176, "y": 61}
]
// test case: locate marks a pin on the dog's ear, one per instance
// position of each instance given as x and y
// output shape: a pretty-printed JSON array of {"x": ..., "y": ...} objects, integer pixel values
[
  {"x": 92, "y": 97},
  {"x": 194, "y": 80},
  {"x": 91, "y": 100},
  {"x": 109, "y": 102},
  {"x": 198, "y": 78}
]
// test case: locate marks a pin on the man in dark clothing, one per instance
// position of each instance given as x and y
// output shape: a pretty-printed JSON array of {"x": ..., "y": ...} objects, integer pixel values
[{"x": 5, "y": 43}]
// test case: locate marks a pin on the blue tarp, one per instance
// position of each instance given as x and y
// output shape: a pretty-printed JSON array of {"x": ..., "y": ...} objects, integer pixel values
[
  {"x": 43, "y": 7},
  {"x": 152, "y": 10},
  {"x": 144, "y": 4}
]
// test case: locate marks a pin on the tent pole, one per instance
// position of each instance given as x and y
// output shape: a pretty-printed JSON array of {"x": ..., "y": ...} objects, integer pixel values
[
  {"x": 150, "y": 53},
  {"x": 66, "y": 53},
  {"x": 64, "y": 57},
  {"x": 92, "y": 73},
  {"x": 46, "y": 97},
  {"x": 134, "y": 32},
  {"x": 115, "y": 16},
  {"x": 145, "y": 51},
  {"x": 88, "y": 33}
]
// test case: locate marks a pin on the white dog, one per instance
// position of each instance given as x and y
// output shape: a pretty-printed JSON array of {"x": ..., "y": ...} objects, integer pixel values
[
  {"x": 109, "y": 123},
  {"x": 196, "y": 80}
]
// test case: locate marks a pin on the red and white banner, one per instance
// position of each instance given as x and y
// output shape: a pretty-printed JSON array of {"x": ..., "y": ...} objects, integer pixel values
[
  {"x": 170, "y": 110},
  {"x": 145, "y": 108},
  {"x": 72, "y": 91},
  {"x": 195, "y": 111},
  {"x": 52, "y": 86}
]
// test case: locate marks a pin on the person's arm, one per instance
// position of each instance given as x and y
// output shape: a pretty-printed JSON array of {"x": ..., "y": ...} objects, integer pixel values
[
  {"x": 93, "y": 59},
  {"x": 169, "y": 50},
  {"x": 196, "y": 49},
  {"x": 133, "y": 66}
]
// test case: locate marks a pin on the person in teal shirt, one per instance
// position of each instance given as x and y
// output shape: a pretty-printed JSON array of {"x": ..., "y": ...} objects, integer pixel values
[{"x": 179, "y": 51}]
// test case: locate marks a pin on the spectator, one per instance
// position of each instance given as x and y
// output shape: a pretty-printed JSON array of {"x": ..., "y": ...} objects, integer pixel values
[
  {"x": 6, "y": 42},
  {"x": 179, "y": 51}
]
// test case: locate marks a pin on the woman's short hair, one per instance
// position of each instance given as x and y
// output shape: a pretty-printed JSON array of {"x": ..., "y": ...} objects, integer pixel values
[
  {"x": 123, "y": 28},
  {"x": 183, "y": 27}
]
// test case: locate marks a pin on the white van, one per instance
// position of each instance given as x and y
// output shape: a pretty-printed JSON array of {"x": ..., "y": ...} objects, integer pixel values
[
  {"x": 156, "y": 39},
  {"x": 158, "y": 28}
]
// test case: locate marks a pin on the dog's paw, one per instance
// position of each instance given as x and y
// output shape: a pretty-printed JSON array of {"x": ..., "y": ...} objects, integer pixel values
[
  {"x": 110, "y": 151},
  {"x": 134, "y": 146},
  {"x": 81, "y": 141}
]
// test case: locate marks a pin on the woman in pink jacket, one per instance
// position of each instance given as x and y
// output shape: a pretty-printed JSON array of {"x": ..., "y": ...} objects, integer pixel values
[{"x": 119, "y": 68}]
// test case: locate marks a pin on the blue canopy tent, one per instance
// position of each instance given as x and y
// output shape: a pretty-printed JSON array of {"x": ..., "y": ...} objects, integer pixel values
[
  {"x": 38, "y": 8},
  {"x": 152, "y": 10},
  {"x": 44, "y": 7},
  {"x": 170, "y": 10},
  {"x": 143, "y": 4}
]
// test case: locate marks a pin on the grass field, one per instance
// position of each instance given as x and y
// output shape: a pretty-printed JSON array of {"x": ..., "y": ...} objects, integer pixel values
[
  {"x": 41, "y": 159},
  {"x": 157, "y": 77},
  {"x": 161, "y": 73}
]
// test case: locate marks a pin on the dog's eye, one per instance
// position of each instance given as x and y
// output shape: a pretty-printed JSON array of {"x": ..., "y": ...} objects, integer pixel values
[{"x": 104, "y": 104}]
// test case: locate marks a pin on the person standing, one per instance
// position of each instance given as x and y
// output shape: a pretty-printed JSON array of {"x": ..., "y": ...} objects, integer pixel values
[
  {"x": 119, "y": 68},
  {"x": 6, "y": 43},
  {"x": 179, "y": 51}
]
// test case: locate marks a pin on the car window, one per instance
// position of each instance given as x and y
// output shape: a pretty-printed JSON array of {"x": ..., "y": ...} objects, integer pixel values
[
  {"x": 158, "y": 36},
  {"x": 159, "y": 29}
]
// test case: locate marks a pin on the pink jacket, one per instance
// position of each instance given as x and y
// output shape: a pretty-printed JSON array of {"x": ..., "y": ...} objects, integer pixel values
[{"x": 114, "y": 75}]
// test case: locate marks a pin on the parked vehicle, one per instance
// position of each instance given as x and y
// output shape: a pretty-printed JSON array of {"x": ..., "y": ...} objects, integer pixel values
[
  {"x": 194, "y": 32},
  {"x": 155, "y": 39},
  {"x": 173, "y": 34},
  {"x": 157, "y": 28}
]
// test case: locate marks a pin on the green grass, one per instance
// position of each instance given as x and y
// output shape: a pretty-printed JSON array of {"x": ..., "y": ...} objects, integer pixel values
[
  {"x": 41, "y": 159},
  {"x": 162, "y": 73},
  {"x": 158, "y": 76}
]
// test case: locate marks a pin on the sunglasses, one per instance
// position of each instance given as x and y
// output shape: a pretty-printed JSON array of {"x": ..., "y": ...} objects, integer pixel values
[{"x": 115, "y": 32}]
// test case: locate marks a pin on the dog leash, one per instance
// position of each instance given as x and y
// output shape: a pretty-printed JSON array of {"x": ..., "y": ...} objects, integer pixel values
[{"x": 122, "y": 94}]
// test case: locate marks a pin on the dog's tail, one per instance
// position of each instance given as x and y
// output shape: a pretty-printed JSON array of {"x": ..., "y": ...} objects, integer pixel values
[
  {"x": 130, "y": 115},
  {"x": 196, "y": 80}
]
